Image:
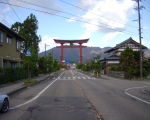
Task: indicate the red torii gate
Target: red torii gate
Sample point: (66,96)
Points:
(62,42)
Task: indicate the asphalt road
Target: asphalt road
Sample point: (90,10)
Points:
(76,96)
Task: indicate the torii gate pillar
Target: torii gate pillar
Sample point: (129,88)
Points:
(62,54)
(62,42)
(80,46)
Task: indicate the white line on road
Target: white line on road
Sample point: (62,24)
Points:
(135,96)
(36,95)
(71,72)
(147,82)
(66,79)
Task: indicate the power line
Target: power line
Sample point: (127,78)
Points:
(94,13)
(14,11)
(58,11)
(147,2)
(63,12)
(131,33)
(5,22)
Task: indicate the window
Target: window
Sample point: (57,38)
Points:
(18,45)
(9,40)
(13,65)
(1,37)
(4,64)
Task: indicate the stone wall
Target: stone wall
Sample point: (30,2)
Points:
(117,74)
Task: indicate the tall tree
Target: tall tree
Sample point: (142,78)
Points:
(28,30)
(30,62)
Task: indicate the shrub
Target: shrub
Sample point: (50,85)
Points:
(13,74)
(115,68)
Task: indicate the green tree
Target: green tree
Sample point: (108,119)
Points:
(30,62)
(48,63)
(128,62)
(28,30)
(56,65)
(79,66)
(42,68)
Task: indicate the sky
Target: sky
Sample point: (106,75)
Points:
(104,22)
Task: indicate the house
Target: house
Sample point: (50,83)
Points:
(10,47)
(111,56)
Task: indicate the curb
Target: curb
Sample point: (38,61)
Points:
(25,87)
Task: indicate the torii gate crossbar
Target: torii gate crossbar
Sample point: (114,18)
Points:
(62,42)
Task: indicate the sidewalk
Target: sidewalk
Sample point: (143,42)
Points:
(10,88)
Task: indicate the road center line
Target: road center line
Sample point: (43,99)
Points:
(135,96)
(72,72)
(36,95)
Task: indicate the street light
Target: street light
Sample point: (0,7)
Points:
(45,48)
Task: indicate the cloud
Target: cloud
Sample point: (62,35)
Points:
(106,13)
(46,5)
(6,9)
(86,4)
(71,20)
(108,17)
(85,35)
(109,36)
(48,41)
(137,40)
(146,28)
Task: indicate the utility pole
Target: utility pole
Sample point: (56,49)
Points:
(141,59)
(139,20)
(45,48)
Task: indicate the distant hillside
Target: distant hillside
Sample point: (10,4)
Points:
(73,53)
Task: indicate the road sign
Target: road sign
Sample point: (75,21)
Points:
(28,53)
(67,61)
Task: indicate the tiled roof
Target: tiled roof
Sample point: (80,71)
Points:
(124,42)
(2,26)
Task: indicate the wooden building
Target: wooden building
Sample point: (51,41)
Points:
(111,56)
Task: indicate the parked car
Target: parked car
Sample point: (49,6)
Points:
(4,103)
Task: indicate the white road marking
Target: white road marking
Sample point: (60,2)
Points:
(83,77)
(79,78)
(135,96)
(66,79)
(83,74)
(147,82)
(72,72)
(36,95)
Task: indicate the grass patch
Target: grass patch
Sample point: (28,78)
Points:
(147,78)
(28,82)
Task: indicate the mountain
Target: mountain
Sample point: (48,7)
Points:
(72,54)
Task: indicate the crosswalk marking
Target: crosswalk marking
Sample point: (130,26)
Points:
(73,78)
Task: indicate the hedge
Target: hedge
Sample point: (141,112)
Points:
(13,74)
